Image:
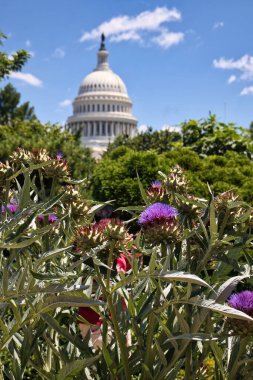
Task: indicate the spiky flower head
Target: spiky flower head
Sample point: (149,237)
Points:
(159,223)
(73,201)
(104,231)
(242,301)
(156,191)
(223,200)
(176,181)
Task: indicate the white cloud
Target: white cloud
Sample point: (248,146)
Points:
(136,28)
(27,78)
(166,39)
(27,43)
(231,79)
(59,53)
(131,35)
(65,103)
(247,90)
(171,128)
(143,128)
(243,64)
(218,25)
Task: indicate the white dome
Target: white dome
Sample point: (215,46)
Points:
(102,109)
(102,81)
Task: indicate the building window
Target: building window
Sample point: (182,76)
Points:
(98,107)
(88,108)
(103,129)
(103,108)
(91,129)
(93,107)
(97,129)
(113,108)
(118,108)
(109,129)
(84,108)
(108,108)
(115,129)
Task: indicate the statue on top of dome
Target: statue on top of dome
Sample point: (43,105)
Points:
(102,45)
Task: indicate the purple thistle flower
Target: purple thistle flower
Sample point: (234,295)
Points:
(12,206)
(156,185)
(3,209)
(59,155)
(242,301)
(52,218)
(40,218)
(158,212)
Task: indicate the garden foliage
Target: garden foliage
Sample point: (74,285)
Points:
(147,298)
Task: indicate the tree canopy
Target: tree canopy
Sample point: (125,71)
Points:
(14,62)
(10,107)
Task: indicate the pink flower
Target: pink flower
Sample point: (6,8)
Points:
(90,315)
(123,264)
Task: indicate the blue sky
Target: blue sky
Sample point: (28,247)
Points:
(179,59)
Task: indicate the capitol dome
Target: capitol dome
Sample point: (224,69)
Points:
(102,109)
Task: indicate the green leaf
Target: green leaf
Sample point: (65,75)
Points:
(181,276)
(52,302)
(143,192)
(49,255)
(226,289)
(213,223)
(70,370)
(25,193)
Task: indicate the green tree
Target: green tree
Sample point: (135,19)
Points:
(208,137)
(8,63)
(10,108)
(160,141)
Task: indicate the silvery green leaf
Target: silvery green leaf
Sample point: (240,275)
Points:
(181,276)
(226,289)
(223,309)
(52,302)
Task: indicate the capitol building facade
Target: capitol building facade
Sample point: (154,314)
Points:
(102,109)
